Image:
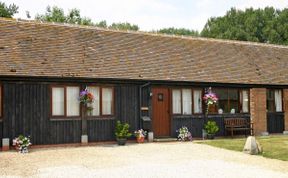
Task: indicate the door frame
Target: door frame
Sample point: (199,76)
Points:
(169,109)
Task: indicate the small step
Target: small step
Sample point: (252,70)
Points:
(165,139)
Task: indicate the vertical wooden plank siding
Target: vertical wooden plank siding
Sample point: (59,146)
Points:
(126,110)
(27,111)
(1,135)
(275,122)
(196,123)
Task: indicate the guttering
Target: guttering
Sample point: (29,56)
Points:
(140,101)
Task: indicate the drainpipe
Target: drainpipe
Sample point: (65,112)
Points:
(140,102)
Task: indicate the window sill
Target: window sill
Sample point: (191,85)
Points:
(201,116)
(91,118)
(65,119)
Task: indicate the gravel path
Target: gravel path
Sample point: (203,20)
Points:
(140,160)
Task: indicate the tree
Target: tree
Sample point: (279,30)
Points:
(178,31)
(259,25)
(8,11)
(102,24)
(56,14)
(124,26)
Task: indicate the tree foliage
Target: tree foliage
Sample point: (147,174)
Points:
(124,26)
(267,25)
(56,14)
(8,11)
(178,31)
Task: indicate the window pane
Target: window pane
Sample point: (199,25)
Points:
(197,95)
(278,100)
(57,101)
(107,101)
(245,101)
(270,101)
(222,95)
(176,101)
(95,104)
(233,100)
(73,107)
(187,101)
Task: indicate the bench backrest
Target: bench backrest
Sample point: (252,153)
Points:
(236,122)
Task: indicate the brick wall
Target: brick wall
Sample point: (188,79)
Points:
(258,109)
(285,98)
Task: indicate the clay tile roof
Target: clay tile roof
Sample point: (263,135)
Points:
(29,48)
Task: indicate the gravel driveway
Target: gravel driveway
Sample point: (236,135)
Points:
(140,160)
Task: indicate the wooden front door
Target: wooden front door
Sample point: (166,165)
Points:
(161,118)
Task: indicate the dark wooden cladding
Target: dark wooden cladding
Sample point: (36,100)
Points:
(27,111)
(1,133)
(275,122)
(196,123)
(126,110)
(101,130)
(127,107)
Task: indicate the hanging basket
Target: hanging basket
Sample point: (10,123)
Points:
(212,109)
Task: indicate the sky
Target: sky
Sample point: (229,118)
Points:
(147,14)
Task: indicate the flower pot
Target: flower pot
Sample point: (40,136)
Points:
(121,141)
(212,109)
(140,139)
(211,136)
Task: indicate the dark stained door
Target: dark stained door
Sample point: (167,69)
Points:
(275,122)
(161,118)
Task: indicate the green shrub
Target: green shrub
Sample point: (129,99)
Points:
(122,130)
(211,127)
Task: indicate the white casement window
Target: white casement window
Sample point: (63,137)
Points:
(245,101)
(72,106)
(187,101)
(107,100)
(182,101)
(96,104)
(62,97)
(58,101)
(176,98)
(197,99)
(278,100)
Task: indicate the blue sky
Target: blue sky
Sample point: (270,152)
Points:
(147,14)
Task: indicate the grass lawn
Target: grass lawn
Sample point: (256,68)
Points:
(275,147)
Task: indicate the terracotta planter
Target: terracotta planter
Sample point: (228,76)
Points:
(140,139)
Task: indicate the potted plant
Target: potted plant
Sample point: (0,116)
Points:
(210,99)
(122,132)
(211,128)
(140,135)
(184,134)
(22,143)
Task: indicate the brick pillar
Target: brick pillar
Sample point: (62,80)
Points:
(285,99)
(258,110)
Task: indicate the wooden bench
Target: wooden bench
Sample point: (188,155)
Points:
(238,124)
